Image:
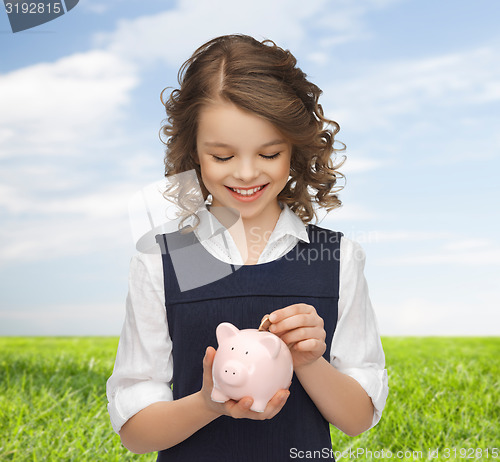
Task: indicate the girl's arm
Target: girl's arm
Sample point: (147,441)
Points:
(340,399)
(141,404)
(356,348)
(165,424)
(350,390)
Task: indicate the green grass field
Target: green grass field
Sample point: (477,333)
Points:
(444,394)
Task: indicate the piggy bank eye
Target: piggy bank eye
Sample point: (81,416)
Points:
(246,352)
(232,348)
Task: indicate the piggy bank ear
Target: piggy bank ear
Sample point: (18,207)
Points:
(225,330)
(272,344)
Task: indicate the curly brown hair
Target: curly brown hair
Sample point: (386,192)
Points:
(264,79)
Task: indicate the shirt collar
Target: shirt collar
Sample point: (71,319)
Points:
(288,224)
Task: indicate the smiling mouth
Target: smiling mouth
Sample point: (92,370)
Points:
(247,191)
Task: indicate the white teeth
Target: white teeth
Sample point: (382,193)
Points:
(247,192)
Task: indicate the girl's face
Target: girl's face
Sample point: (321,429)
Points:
(244,160)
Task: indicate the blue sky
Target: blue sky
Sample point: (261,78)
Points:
(415,87)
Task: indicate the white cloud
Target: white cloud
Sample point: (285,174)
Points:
(53,108)
(468,244)
(69,106)
(101,7)
(354,212)
(460,253)
(61,236)
(359,164)
(57,120)
(95,7)
(424,86)
(65,225)
(345,21)
(172,36)
(394,236)
(319,57)
(422,316)
(414,316)
(70,319)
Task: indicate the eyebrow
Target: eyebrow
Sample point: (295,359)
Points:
(216,144)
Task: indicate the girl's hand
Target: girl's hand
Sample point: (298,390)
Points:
(237,409)
(302,329)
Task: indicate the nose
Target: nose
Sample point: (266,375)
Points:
(233,373)
(246,169)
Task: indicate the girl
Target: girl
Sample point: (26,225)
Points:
(248,123)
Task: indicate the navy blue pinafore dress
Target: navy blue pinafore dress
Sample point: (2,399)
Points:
(201,292)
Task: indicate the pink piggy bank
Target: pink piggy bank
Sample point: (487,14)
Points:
(250,363)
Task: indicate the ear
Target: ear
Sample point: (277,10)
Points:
(271,343)
(225,330)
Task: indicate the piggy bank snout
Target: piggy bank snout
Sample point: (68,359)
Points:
(233,372)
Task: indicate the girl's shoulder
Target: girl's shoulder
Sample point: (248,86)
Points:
(320,234)
(147,265)
(349,248)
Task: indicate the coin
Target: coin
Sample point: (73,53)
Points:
(265,323)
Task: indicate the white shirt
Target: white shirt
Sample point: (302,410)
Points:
(142,374)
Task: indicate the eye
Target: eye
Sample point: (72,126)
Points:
(221,159)
(271,157)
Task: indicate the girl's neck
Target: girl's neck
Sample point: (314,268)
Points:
(250,234)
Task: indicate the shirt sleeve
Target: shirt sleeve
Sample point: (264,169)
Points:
(356,346)
(142,373)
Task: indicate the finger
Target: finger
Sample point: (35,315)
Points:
(239,409)
(291,310)
(276,403)
(244,404)
(208,361)
(265,323)
(302,334)
(311,345)
(296,322)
